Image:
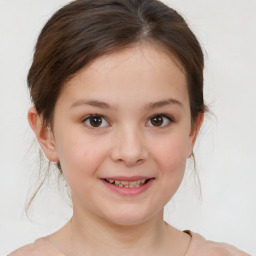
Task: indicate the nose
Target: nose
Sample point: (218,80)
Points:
(129,147)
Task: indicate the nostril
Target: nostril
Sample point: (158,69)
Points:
(129,151)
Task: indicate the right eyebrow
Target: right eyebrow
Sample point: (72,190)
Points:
(95,103)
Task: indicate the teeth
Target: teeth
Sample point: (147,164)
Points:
(127,184)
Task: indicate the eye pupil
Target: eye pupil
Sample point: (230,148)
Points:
(157,120)
(95,121)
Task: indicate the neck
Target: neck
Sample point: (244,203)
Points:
(101,237)
(86,234)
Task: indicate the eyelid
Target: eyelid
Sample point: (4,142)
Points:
(94,115)
(164,115)
(170,119)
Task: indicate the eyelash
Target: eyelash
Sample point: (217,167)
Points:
(163,115)
(91,116)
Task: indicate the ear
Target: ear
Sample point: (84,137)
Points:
(43,134)
(194,132)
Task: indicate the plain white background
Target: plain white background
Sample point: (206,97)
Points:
(225,151)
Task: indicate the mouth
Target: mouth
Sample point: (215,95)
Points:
(128,184)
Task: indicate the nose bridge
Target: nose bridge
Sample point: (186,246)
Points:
(129,146)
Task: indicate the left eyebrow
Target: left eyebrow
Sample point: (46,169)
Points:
(162,103)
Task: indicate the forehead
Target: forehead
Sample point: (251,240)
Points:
(139,54)
(134,72)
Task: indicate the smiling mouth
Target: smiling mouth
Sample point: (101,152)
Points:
(128,184)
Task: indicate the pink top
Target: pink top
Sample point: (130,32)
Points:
(199,246)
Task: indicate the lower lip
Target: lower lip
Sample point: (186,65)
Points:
(128,191)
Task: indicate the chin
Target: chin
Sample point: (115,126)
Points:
(127,222)
(129,218)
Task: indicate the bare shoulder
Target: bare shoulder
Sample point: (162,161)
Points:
(27,250)
(199,246)
(41,247)
(220,249)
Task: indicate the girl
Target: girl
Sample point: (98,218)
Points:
(117,89)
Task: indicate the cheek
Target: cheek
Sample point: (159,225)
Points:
(170,158)
(80,156)
(171,155)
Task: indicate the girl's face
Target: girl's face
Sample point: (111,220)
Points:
(125,118)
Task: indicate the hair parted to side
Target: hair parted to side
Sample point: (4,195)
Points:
(84,30)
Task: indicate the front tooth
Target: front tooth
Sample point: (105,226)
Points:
(124,183)
(140,182)
(127,184)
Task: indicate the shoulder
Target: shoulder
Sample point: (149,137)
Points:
(41,247)
(220,249)
(201,247)
(25,250)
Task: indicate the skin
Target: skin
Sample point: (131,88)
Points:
(127,143)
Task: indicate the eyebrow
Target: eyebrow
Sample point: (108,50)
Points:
(162,103)
(151,105)
(94,103)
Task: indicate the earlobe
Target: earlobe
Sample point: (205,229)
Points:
(43,134)
(194,132)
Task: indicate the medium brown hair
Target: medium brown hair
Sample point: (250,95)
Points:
(84,30)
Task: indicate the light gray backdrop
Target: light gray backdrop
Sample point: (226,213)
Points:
(225,153)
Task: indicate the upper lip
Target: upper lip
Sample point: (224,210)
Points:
(125,178)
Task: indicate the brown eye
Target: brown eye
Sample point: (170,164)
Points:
(95,121)
(157,120)
(160,120)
